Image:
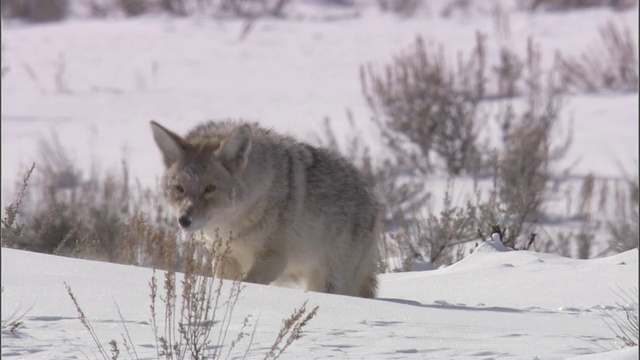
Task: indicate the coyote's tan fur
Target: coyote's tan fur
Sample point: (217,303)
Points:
(295,212)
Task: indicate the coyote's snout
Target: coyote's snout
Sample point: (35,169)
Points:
(295,211)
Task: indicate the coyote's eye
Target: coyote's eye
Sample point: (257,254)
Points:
(179,189)
(209,189)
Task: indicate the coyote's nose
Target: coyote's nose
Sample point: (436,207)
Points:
(184,221)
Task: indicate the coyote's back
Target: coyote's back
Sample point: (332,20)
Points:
(295,212)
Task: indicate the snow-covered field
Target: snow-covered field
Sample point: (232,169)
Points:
(492,304)
(98,83)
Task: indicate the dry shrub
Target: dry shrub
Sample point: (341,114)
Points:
(13,230)
(422,106)
(121,224)
(610,65)
(189,316)
(523,175)
(509,72)
(443,238)
(57,10)
(291,330)
(523,172)
(14,321)
(436,236)
(135,7)
(625,326)
(192,320)
(100,8)
(104,217)
(623,228)
(409,236)
(394,184)
(453,6)
(142,243)
(405,8)
(35,10)
(602,210)
(255,8)
(397,188)
(564,5)
(589,225)
(338,2)
(248,9)
(510,68)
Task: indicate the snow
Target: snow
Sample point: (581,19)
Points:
(98,83)
(493,304)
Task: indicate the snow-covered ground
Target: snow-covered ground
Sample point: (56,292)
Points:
(492,304)
(97,83)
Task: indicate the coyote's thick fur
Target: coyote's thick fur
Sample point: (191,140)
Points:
(294,211)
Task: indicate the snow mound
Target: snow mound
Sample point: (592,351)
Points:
(496,304)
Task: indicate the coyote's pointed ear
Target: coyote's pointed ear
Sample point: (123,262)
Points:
(234,150)
(171,145)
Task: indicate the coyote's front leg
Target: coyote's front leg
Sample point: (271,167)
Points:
(228,268)
(267,267)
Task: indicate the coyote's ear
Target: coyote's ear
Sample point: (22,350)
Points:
(233,153)
(171,145)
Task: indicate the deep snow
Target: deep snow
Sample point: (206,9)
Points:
(492,304)
(97,83)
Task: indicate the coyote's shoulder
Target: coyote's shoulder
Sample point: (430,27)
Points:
(295,211)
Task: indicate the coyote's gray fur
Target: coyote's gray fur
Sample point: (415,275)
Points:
(294,211)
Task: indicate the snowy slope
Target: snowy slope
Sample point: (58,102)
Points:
(493,304)
(97,83)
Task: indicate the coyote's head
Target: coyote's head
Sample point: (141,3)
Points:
(202,178)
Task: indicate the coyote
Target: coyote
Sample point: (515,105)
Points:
(293,211)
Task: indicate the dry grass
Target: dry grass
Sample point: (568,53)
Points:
(532,141)
(190,316)
(424,106)
(509,72)
(405,8)
(12,230)
(624,225)
(56,10)
(625,326)
(14,322)
(437,235)
(195,321)
(611,64)
(605,209)
(87,325)
(37,11)
(397,192)
(104,217)
(192,320)
(291,330)
(565,5)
